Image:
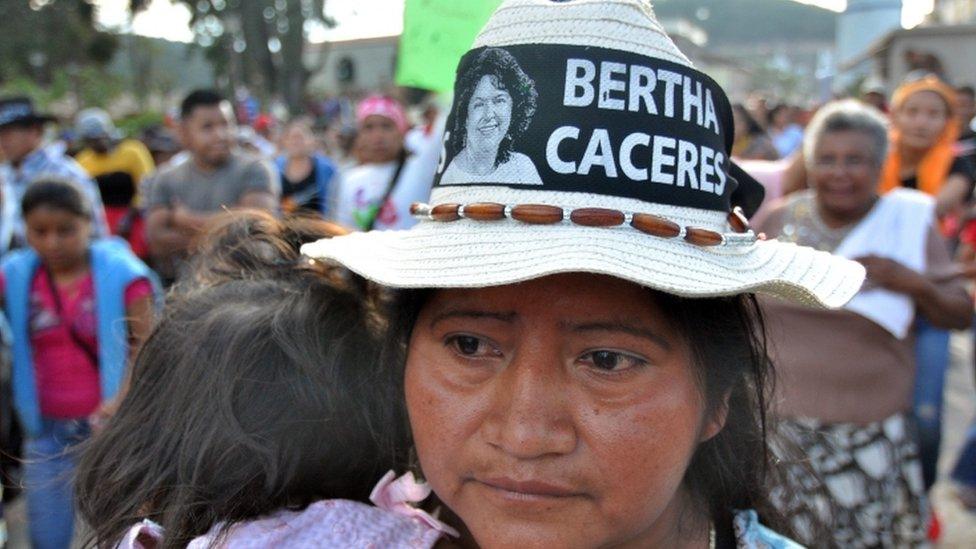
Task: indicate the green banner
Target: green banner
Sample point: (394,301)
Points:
(436,33)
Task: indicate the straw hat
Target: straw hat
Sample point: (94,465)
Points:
(582,140)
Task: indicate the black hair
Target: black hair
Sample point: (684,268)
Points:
(732,470)
(966,90)
(506,74)
(254,393)
(58,194)
(753,126)
(199,98)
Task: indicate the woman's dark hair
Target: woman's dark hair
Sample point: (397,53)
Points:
(732,470)
(252,394)
(58,194)
(506,74)
(753,127)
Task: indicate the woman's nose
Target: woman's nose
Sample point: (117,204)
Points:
(530,415)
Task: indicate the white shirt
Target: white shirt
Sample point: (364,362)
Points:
(362,187)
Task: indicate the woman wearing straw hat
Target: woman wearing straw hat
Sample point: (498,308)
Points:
(583,360)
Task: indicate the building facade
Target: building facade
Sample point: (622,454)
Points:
(955,11)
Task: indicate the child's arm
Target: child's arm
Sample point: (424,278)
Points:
(139,315)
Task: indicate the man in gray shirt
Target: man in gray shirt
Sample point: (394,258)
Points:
(181,199)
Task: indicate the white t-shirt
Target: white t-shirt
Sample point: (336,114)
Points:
(361,188)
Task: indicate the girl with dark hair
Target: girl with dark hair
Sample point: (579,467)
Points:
(258,413)
(77,309)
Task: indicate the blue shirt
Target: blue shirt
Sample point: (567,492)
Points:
(45,161)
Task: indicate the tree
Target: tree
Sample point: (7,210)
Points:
(259,43)
(44,37)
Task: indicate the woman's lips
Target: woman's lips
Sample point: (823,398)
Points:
(488,127)
(528,489)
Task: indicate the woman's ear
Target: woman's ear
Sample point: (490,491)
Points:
(715,422)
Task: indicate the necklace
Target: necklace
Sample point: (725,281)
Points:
(804,226)
(711,536)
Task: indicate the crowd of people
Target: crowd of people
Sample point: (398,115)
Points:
(474,328)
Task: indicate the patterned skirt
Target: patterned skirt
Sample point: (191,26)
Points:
(849,485)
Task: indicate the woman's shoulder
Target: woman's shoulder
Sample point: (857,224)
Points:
(751,534)
(519,168)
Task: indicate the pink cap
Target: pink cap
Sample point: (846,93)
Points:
(381,105)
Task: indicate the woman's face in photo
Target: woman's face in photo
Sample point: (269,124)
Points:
(562,411)
(489,115)
(921,119)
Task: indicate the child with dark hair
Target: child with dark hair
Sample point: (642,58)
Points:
(76,309)
(259,412)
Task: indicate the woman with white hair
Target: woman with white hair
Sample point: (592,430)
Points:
(846,403)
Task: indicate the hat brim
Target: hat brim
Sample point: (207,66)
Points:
(472,254)
(25,120)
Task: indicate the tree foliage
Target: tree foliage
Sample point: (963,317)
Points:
(258,43)
(42,38)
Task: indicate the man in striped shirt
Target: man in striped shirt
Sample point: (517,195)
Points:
(27,159)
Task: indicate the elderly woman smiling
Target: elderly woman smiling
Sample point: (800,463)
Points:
(845,404)
(583,363)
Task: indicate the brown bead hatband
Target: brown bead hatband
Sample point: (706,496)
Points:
(445,212)
(537,214)
(703,237)
(655,226)
(543,214)
(738,220)
(597,217)
(485,211)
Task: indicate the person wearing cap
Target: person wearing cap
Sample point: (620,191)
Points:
(118,166)
(847,405)
(183,197)
(27,159)
(583,361)
(376,192)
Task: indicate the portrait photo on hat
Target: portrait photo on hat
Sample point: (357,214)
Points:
(581,139)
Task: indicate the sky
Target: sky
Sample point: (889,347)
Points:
(356,18)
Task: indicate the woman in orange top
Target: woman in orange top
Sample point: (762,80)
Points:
(924,132)
(923,135)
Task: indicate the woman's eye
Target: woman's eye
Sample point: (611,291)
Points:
(612,361)
(471,346)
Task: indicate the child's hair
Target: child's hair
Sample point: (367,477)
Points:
(252,244)
(58,194)
(254,393)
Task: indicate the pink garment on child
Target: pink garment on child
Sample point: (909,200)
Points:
(333,523)
(67,381)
